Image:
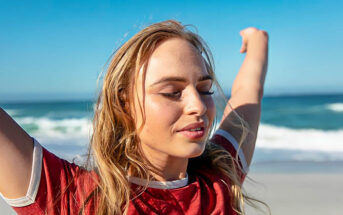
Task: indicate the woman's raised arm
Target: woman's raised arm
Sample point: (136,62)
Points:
(247,89)
(16,149)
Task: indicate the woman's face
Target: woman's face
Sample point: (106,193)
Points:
(176,94)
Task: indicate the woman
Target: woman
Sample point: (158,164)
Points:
(153,148)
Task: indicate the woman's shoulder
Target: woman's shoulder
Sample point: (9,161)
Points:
(56,163)
(55,184)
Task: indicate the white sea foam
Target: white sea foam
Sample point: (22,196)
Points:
(12,112)
(69,131)
(71,136)
(269,136)
(336,107)
(274,137)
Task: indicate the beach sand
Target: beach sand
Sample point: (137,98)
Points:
(296,193)
(5,209)
(293,193)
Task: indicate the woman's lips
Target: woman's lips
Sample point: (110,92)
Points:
(193,134)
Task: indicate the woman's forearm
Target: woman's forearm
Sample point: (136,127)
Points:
(252,73)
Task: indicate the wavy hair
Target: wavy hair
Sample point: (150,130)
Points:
(114,147)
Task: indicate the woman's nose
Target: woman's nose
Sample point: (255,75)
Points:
(195,104)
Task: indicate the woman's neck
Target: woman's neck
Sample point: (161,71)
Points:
(164,167)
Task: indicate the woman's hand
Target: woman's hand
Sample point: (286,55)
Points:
(253,38)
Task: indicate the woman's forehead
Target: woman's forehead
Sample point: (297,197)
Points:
(175,58)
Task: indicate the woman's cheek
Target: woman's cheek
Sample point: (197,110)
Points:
(211,108)
(162,111)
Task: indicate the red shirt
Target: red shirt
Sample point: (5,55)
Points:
(205,193)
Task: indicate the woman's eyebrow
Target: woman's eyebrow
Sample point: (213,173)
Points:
(180,79)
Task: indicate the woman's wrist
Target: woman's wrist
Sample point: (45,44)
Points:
(258,45)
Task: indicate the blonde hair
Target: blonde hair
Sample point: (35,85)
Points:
(114,143)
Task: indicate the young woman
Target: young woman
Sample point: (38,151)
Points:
(154,148)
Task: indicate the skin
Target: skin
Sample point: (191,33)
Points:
(247,88)
(16,146)
(167,149)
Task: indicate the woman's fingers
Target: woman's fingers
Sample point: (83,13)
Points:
(244,43)
(243,47)
(249,34)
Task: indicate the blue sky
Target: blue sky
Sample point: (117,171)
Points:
(56,49)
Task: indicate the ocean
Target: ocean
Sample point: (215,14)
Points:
(297,133)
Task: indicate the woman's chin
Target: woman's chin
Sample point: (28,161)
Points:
(194,151)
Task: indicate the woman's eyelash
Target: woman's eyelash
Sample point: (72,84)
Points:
(172,95)
(177,94)
(207,92)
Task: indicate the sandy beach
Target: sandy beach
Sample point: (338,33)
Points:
(5,209)
(293,193)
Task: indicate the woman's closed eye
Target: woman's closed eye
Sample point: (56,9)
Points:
(177,94)
(207,92)
(173,95)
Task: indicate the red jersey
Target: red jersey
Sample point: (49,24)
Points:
(205,192)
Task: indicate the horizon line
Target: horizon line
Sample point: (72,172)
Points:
(87,98)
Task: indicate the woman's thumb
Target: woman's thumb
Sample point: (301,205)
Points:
(244,44)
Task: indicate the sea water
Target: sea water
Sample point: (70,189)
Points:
(296,133)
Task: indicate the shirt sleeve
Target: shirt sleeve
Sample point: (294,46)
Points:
(229,143)
(56,186)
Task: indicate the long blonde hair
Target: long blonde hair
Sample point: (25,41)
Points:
(114,144)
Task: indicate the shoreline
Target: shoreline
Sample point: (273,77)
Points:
(297,167)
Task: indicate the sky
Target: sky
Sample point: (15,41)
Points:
(57,49)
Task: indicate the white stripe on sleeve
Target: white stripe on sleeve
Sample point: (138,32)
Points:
(235,144)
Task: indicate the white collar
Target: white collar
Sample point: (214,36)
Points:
(160,184)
